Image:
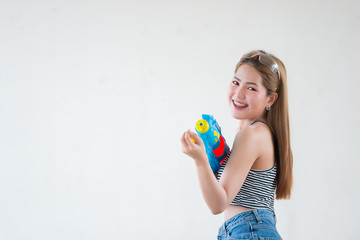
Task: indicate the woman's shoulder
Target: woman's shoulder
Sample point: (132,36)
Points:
(254,144)
(246,147)
(256,132)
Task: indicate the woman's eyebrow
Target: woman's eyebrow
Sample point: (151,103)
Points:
(250,83)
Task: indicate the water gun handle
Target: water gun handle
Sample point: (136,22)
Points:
(216,148)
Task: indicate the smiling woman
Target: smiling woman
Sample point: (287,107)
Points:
(249,95)
(260,162)
(273,75)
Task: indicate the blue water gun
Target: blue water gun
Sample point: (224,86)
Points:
(216,148)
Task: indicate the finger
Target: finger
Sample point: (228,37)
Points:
(194,136)
(190,142)
(183,139)
(187,138)
(185,146)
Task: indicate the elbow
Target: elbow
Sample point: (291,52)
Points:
(217,211)
(218,207)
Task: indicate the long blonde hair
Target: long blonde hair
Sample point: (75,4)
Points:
(277,117)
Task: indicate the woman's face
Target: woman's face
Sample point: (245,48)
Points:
(246,94)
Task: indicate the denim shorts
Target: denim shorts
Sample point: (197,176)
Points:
(254,224)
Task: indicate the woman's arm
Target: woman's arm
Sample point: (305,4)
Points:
(218,195)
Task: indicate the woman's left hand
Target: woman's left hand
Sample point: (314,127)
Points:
(195,150)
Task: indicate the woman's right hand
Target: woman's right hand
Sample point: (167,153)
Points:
(195,150)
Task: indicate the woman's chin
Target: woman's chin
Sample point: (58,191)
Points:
(236,115)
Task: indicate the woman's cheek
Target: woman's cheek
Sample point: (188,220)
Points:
(230,92)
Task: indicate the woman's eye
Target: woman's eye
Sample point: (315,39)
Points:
(235,83)
(252,89)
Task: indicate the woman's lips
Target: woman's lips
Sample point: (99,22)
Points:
(239,106)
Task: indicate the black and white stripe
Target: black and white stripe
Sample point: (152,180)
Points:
(258,189)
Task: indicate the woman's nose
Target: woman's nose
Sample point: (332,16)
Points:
(240,92)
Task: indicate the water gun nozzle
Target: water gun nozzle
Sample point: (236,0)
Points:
(202,126)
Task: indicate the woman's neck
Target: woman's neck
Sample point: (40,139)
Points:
(246,122)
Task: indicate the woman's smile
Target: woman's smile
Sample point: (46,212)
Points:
(239,105)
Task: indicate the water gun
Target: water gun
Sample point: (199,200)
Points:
(216,148)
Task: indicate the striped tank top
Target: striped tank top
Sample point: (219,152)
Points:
(258,189)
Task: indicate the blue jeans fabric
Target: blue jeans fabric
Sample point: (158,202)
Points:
(259,224)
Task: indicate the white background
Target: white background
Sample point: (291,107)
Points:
(94,96)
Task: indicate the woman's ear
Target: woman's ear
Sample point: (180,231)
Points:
(273,99)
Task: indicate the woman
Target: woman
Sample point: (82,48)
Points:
(260,162)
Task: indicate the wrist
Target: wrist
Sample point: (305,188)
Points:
(202,162)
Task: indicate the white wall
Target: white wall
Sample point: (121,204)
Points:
(94,96)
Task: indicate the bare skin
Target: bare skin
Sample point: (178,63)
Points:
(252,149)
(266,160)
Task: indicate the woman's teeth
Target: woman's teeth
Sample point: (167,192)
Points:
(240,105)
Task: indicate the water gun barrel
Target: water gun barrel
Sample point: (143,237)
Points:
(216,148)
